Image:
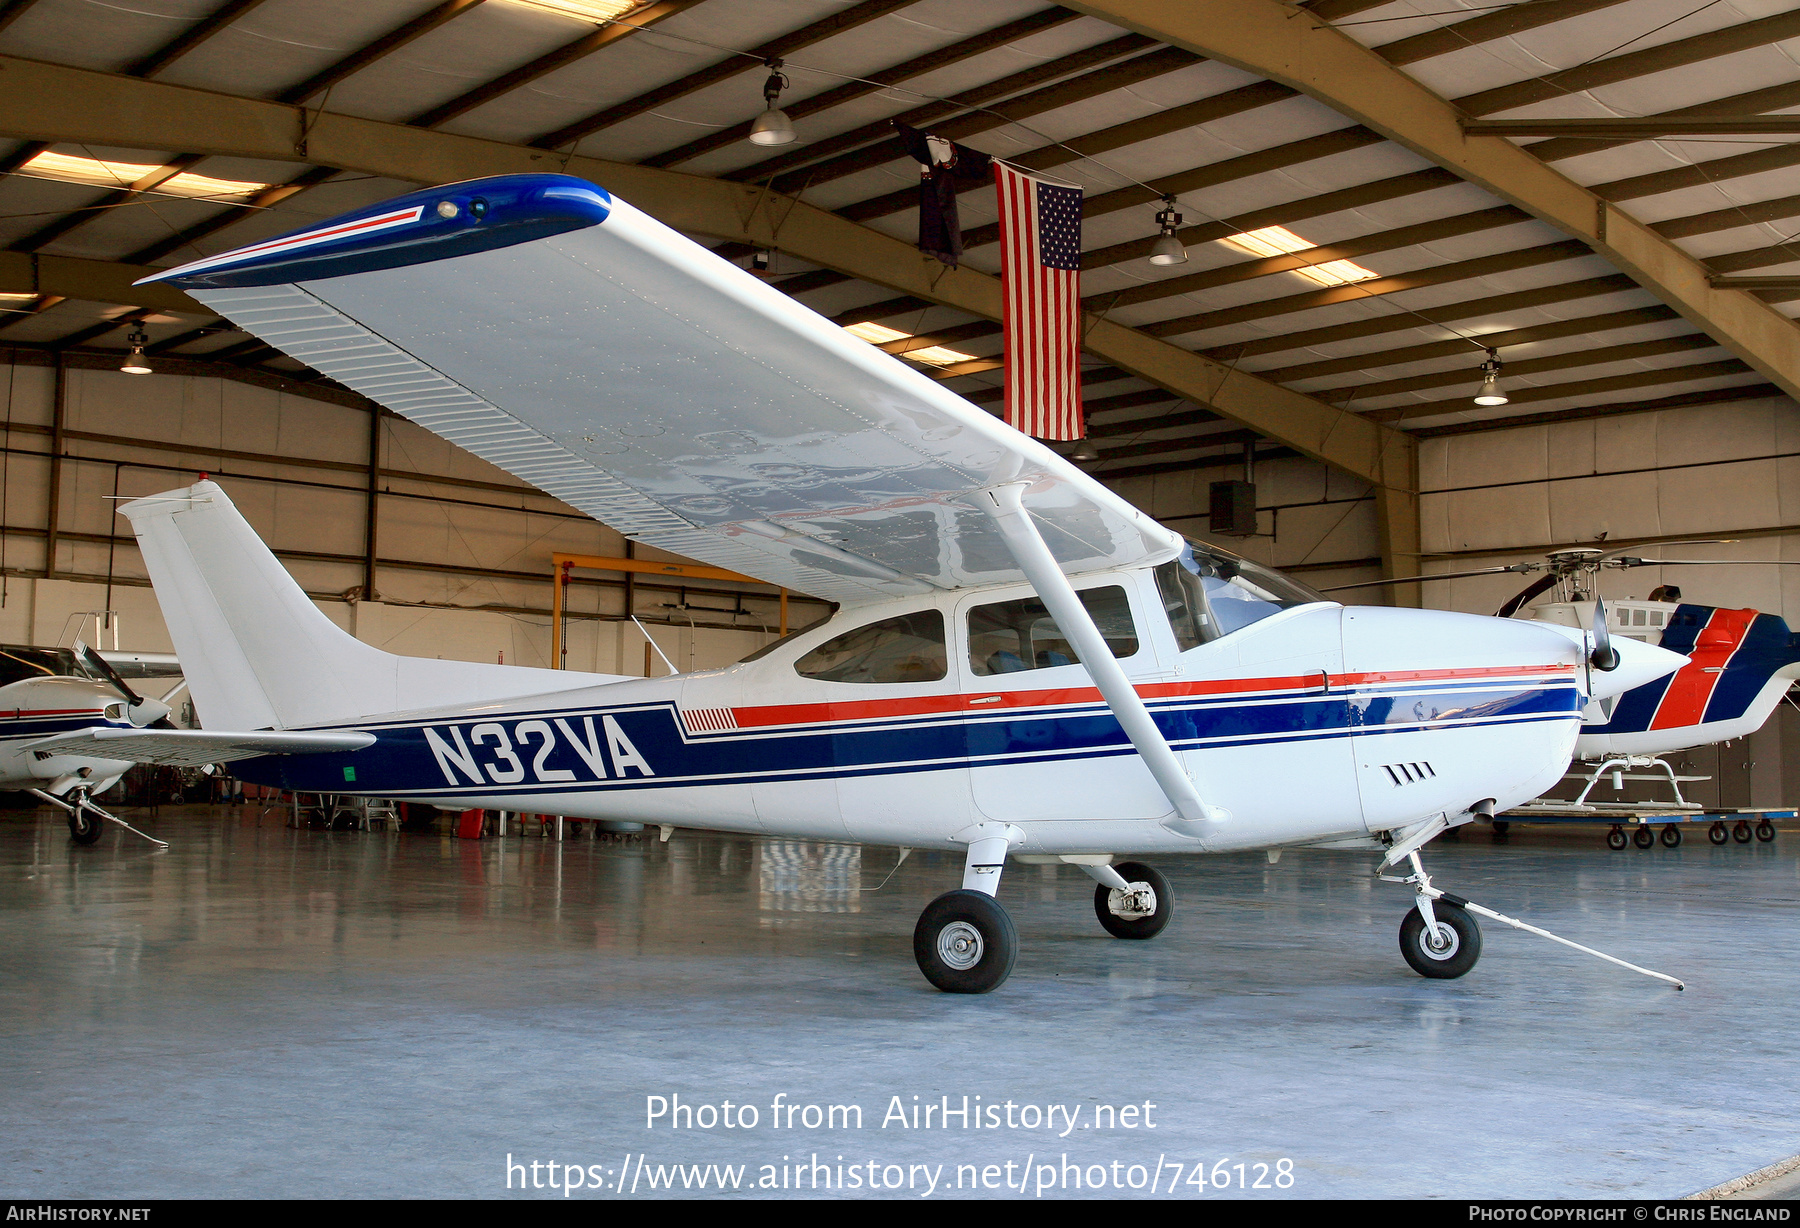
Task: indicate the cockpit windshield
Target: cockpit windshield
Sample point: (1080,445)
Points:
(18,663)
(1209,593)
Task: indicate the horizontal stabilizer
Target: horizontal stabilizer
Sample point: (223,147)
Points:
(194,747)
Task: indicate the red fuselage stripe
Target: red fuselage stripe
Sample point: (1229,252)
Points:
(927,705)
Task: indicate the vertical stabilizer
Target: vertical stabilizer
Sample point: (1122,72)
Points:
(258,654)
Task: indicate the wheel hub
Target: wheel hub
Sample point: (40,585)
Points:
(960,946)
(1441,945)
(1134,904)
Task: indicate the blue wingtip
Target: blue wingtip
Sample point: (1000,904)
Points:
(433,224)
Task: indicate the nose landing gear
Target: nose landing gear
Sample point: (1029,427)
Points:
(1140,908)
(85,817)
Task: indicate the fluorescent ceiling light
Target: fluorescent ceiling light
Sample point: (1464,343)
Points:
(585,10)
(933,355)
(1280,241)
(101,174)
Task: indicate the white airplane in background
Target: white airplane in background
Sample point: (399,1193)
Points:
(1022,664)
(63,710)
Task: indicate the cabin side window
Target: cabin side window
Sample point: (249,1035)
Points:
(1009,636)
(906,648)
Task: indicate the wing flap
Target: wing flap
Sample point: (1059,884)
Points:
(196,747)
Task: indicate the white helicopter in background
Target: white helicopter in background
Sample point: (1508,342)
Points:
(1741,662)
(1021,665)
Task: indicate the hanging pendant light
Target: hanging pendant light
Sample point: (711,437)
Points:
(1085,451)
(1490,393)
(773,127)
(135,363)
(1168,249)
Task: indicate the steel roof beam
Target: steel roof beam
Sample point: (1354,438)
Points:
(1713,396)
(724,70)
(1274,41)
(918,66)
(1117,73)
(1572,360)
(192,37)
(1577,388)
(1638,129)
(48,101)
(1513,19)
(381,48)
(544,65)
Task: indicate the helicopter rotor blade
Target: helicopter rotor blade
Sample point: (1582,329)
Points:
(1441,575)
(1539,585)
(1698,541)
(1634,561)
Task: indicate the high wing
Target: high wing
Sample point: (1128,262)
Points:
(579,344)
(194,747)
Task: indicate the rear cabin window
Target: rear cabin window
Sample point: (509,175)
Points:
(1009,636)
(907,648)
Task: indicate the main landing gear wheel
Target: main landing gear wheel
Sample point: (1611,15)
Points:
(965,942)
(1643,837)
(1718,833)
(1616,839)
(1671,836)
(1455,951)
(1140,913)
(84,825)
(1740,831)
(1765,831)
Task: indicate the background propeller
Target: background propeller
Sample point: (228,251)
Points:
(144,713)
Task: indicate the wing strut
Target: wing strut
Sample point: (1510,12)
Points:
(1005,504)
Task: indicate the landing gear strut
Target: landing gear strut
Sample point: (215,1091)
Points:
(964,941)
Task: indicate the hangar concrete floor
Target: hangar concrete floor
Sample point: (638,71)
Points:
(260,1011)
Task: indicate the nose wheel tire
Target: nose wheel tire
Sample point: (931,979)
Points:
(1643,837)
(1671,836)
(1455,952)
(965,942)
(1143,911)
(84,826)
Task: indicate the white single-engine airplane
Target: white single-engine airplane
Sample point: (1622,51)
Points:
(1021,663)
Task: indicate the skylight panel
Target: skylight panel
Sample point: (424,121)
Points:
(932,355)
(584,10)
(99,173)
(1280,241)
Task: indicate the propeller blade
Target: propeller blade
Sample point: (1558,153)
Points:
(1525,595)
(1604,656)
(104,668)
(144,713)
(1441,575)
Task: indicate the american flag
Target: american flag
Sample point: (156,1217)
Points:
(1040,261)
